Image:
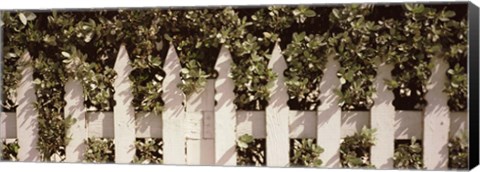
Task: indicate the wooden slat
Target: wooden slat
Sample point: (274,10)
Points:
(148,125)
(27,116)
(75,109)
(437,119)
(354,121)
(100,125)
(8,125)
(124,120)
(382,118)
(458,123)
(329,116)
(277,113)
(200,152)
(225,118)
(199,106)
(408,124)
(252,123)
(303,124)
(174,112)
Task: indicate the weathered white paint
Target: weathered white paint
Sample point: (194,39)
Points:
(206,121)
(303,124)
(75,109)
(408,124)
(148,125)
(437,119)
(252,123)
(458,123)
(277,112)
(200,107)
(353,122)
(382,118)
(225,118)
(8,127)
(124,114)
(100,125)
(329,116)
(27,116)
(174,113)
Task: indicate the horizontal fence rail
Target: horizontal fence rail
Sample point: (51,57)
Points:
(203,129)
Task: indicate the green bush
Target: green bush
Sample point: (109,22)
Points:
(100,150)
(305,153)
(355,149)
(409,156)
(354,45)
(148,151)
(10,151)
(250,151)
(306,60)
(458,152)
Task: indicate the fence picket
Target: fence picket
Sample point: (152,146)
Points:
(124,114)
(27,116)
(225,115)
(199,105)
(174,112)
(77,132)
(329,116)
(382,118)
(277,113)
(212,114)
(436,119)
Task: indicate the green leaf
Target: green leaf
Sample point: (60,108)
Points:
(310,13)
(23,19)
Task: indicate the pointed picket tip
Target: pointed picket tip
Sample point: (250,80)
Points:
(122,63)
(277,63)
(224,61)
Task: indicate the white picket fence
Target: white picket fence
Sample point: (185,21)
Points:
(202,133)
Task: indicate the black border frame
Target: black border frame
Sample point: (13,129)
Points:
(473,64)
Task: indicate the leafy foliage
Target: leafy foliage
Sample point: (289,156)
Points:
(143,40)
(18,30)
(10,150)
(424,36)
(354,44)
(306,59)
(148,151)
(305,153)
(456,55)
(355,149)
(408,156)
(100,150)
(250,151)
(458,152)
